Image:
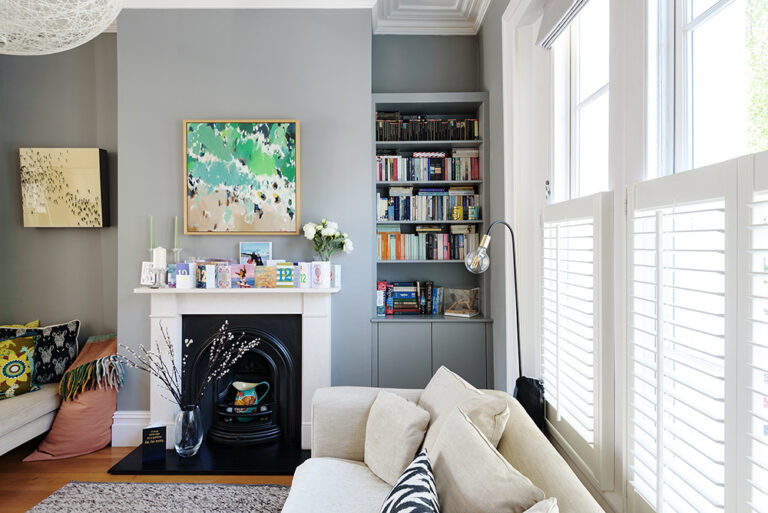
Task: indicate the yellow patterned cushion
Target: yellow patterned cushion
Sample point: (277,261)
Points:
(32,324)
(16,366)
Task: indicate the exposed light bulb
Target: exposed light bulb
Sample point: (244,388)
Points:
(477,261)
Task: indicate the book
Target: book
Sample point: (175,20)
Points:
(389,305)
(153,443)
(428,204)
(381,291)
(395,126)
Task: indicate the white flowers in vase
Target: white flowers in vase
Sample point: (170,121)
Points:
(326,239)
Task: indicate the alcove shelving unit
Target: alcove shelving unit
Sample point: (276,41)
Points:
(407,349)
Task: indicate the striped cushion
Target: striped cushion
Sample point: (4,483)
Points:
(415,491)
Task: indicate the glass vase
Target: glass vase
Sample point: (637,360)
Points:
(189,431)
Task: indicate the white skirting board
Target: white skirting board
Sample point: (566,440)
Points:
(127,426)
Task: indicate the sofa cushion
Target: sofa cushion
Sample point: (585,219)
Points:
(333,485)
(545,506)
(55,349)
(471,475)
(17,411)
(84,422)
(446,390)
(30,324)
(527,449)
(339,418)
(393,435)
(17,369)
(415,491)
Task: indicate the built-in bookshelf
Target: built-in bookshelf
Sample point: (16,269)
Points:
(434,192)
(431,208)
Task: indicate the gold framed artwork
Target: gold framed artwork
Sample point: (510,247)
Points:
(241,177)
(64,187)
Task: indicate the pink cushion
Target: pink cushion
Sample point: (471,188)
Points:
(83,424)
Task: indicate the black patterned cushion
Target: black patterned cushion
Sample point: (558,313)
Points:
(56,347)
(415,491)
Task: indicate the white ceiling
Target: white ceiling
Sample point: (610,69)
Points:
(437,17)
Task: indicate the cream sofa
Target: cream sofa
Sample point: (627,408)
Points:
(335,479)
(24,417)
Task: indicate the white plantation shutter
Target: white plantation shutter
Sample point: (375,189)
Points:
(575,331)
(682,253)
(755,335)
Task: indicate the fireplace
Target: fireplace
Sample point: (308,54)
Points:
(299,320)
(274,364)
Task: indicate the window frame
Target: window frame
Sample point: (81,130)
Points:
(565,127)
(669,141)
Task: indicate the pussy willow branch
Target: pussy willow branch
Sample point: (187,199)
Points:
(225,350)
(157,360)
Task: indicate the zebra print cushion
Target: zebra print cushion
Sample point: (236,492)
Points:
(415,491)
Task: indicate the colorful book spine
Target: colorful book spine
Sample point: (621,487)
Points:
(381,296)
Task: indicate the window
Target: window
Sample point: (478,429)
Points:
(575,331)
(707,82)
(580,104)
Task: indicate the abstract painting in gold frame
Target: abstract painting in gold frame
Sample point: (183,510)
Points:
(241,177)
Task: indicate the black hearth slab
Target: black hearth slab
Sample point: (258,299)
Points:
(277,459)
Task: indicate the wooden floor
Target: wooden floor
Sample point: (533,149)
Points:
(22,485)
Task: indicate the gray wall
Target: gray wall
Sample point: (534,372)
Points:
(425,64)
(491,81)
(58,274)
(314,66)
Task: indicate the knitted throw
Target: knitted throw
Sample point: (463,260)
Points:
(107,372)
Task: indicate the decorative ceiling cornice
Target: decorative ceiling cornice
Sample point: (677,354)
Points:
(436,17)
(415,17)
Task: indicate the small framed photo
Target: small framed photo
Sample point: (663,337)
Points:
(147,274)
(256,253)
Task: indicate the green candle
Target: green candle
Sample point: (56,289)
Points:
(175,232)
(151,233)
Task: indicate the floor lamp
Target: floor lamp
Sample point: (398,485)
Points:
(528,391)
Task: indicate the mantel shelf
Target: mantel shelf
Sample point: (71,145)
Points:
(148,290)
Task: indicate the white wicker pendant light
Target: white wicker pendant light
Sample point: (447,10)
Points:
(39,27)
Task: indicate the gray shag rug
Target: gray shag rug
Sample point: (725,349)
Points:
(164,498)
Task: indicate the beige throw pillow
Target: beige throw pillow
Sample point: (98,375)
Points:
(472,476)
(393,435)
(545,506)
(446,390)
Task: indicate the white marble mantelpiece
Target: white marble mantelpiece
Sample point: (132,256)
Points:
(314,305)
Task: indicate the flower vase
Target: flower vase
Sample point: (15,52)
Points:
(189,431)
